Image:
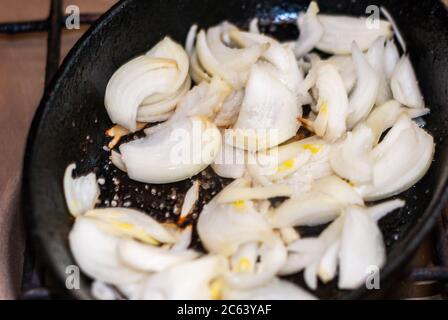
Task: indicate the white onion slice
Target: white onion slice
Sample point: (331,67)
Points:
(191,197)
(272,255)
(333,103)
(391,58)
(161,71)
(351,159)
(253,193)
(382,118)
(375,57)
(230,162)
(222,228)
(341,31)
(189,280)
(401,159)
(173,153)
(132,223)
(268,113)
(363,97)
(346,69)
(148,258)
(320,205)
(379,211)
(405,86)
(94,251)
(362,247)
(310,30)
(81,194)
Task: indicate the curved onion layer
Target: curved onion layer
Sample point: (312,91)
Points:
(161,71)
(315,255)
(222,228)
(351,159)
(346,69)
(175,152)
(94,251)
(197,71)
(333,103)
(310,30)
(217,58)
(191,197)
(132,223)
(189,280)
(391,58)
(341,31)
(382,118)
(150,111)
(258,267)
(268,113)
(365,93)
(400,160)
(362,248)
(148,258)
(230,162)
(405,86)
(275,289)
(230,109)
(281,60)
(375,56)
(320,205)
(81,194)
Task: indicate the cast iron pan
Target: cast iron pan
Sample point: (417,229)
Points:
(70,122)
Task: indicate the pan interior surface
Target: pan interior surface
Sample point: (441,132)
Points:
(71,120)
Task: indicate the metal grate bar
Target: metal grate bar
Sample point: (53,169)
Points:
(12,28)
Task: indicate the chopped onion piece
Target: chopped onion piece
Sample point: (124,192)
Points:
(363,97)
(81,194)
(341,31)
(148,258)
(362,247)
(405,86)
(191,197)
(310,30)
(173,153)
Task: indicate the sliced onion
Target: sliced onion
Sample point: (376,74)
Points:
(268,113)
(401,159)
(351,159)
(391,58)
(346,69)
(363,97)
(382,118)
(132,223)
(310,30)
(361,248)
(333,104)
(405,86)
(254,193)
(94,251)
(320,205)
(230,109)
(148,258)
(341,31)
(189,280)
(230,162)
(379,211)
(81,194)
(191,197)
(272,255)
(173,153)
(161,71)
(375,57)
(223,228)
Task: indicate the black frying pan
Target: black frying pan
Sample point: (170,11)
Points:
(70,122)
